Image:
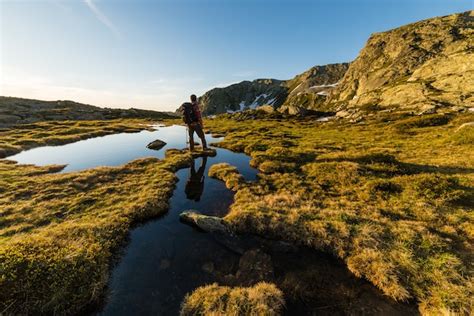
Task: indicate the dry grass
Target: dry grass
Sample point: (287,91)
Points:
(260,299)
(58,232)
(227,173)
(396,207)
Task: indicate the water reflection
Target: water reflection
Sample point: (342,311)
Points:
(195,185)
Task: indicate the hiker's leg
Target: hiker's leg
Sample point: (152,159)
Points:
(191,138)
(200,133)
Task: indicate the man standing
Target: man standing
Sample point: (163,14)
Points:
(193,118)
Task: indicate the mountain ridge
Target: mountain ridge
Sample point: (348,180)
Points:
(422,67)
(15,110)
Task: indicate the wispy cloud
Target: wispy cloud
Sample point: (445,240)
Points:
(102,17)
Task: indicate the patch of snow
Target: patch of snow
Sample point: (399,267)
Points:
(325,119)
(271,101)
(255,102)
(242,105)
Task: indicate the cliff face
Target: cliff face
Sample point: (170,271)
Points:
(420,66)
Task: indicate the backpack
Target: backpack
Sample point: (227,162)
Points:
(188,113)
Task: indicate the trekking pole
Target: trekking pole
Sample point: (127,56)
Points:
(187,136)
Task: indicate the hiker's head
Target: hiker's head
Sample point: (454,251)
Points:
(193,98)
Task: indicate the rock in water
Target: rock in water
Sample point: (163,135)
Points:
(156,144)
(210,224)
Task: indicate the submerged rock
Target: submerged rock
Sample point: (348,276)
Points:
(210,224)
(254,265)
(156,144)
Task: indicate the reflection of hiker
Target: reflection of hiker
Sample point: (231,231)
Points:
(192,117)
(195,185)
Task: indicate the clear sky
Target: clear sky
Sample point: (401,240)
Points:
(153,54)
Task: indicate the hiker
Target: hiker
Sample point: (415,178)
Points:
(193,119)
(195,185)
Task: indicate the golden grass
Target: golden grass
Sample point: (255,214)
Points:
(393,197)
(58,232)
(227,173)
(260,299)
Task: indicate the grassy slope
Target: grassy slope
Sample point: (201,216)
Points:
(58,231)
(26,136)
(393,199)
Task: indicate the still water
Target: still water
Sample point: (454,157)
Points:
(165,259)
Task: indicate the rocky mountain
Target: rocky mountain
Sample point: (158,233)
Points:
(17,110)
(418,67)
(422,67)
(307,90)
(244,95)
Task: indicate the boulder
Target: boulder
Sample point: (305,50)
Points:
(266,108)
(156,144)
(292,110)
(206,223)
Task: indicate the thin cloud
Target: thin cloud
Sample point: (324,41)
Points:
(102,17)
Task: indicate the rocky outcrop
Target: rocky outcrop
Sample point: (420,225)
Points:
(206,223)
(156,144)
(20,111)
(422,66)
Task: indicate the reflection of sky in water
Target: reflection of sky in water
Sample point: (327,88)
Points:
(111,150)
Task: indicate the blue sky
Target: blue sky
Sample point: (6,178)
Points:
(153,54)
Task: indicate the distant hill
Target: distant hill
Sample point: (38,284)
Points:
(17,111)
(422,67)
(244,95)
(307,90)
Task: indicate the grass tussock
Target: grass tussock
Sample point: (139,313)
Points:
(58,232)
(26,136)
(227,173)
(260,299)
(421,121)
(396,207)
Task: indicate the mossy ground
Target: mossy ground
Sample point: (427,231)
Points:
(392,196)
(26,136)
(58,232)
(260,299)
